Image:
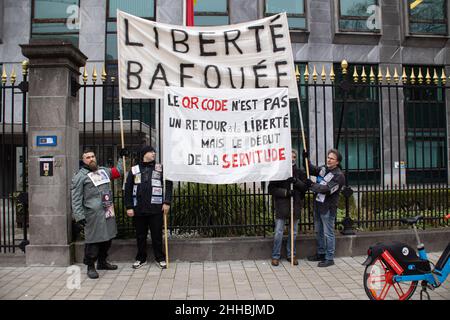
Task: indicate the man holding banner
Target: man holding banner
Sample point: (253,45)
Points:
(282,194)
(146,203)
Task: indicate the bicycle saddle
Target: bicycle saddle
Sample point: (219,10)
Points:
(411,220)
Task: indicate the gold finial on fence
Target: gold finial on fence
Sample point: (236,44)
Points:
(94,75)
(435,77)
(413,77)
(13,76)
(371,75)
(395,75)
(380,75)
(85,75)
(363,75)
(113,79)
(297,73)
(323,74)
(388,75)
(306,74)
(404,76)
(443,77)
(104,75)
(344,66)
(355,75)
(419,76)
(24,67)
(314,74)
(4,76)
(332,75)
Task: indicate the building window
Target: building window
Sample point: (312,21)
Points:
(211,13)
(142,8)
(359,16)
(425,126)
(427,17)
(295,12)
(360,131)
(55,19)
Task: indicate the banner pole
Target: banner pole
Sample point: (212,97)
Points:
(166,243)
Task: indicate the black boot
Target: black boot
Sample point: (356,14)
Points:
(91,272)
(316,257)
(104,265)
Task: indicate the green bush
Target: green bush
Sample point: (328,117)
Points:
(215,206)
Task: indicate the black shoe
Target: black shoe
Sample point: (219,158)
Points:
(316,257)
(325,263)
(91,272)
(106,266)
(295,261)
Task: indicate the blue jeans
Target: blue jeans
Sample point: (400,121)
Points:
(324,227)
(278,238)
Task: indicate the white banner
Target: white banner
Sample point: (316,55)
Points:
(153,55)
(226,136)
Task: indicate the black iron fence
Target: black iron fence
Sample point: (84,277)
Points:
(391,130)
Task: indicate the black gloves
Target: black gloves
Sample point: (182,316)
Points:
(124,152)
(292,180)
(290,193)
(308,183)
(305,156)
(82,223)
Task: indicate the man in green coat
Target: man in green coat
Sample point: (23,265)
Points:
(93,209)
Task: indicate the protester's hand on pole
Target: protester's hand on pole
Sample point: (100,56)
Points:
(165,209)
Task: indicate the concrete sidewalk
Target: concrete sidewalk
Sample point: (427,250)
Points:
(233,280)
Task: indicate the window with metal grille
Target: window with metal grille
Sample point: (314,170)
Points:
(428,17)
(55,19)
(296,12)
(211,13)
(425,126)
(359,137)
(358,16)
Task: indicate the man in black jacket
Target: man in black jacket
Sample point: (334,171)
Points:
(282,192)
(146,202)
(329,182)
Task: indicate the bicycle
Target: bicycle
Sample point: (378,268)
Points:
(397,265)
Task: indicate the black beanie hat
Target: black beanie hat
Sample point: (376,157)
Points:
(146,149)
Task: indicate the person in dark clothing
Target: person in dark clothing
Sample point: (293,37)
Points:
(146,202)
(329,182)
(282,192)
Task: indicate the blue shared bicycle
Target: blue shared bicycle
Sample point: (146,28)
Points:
(393,269)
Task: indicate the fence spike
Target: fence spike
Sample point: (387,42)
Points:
(443,77)
(404,76)
(297,73)
(371,75)
(355,74)
(306,74)
(344,66)
(104,75)
(363,75)
(413,77)
(314,74)
(380,75)
(435,77)
(94,75)
(85,75)
(323,74)
(388,75)
(24,67)
(395,75)
(419,76)
(13,76)
(4,76)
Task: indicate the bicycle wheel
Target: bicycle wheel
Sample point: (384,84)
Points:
(379,283)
